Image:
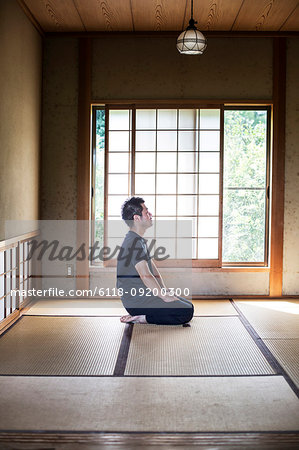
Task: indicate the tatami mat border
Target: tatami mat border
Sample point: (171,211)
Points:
(265,350)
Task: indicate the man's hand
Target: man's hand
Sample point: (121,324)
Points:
(169,298)
(157,275)
(151,282)
(170,294)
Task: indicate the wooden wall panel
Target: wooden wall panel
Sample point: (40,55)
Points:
(106,15)
(261,15)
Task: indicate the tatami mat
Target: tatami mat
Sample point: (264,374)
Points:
(211,346)
(272,318)
(148,404)
(213,308)
(61,346)
(69,307)
(286,351)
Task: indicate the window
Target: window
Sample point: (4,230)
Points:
(209,165)
(245,185)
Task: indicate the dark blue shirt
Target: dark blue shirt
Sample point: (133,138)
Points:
(133,250)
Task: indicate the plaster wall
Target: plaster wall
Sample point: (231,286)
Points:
(144,68)
(291,212)
(152,68)
(20,117)
(59,129)
(200,283)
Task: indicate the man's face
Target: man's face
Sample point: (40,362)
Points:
(146,217)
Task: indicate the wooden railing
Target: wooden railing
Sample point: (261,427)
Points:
(16,272)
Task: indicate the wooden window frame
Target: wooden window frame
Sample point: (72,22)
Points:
(216,264)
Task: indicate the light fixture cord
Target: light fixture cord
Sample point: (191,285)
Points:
(191,9)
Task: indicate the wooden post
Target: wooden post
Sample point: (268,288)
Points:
(278,167)
(83,160)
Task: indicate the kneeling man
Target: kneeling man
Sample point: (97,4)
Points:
(138,276)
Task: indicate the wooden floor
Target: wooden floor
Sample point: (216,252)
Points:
(181,399)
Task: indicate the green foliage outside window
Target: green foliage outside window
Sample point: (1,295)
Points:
(244,185)
(99,176)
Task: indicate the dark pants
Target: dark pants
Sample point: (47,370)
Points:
(161,313)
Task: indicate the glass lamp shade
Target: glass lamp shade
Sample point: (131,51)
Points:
(191,42)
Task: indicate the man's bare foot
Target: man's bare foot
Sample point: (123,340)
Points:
(124,318)
(133,319)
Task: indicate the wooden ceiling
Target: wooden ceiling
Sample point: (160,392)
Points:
(163,15)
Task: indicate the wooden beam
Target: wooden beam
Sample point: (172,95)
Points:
(31,17)
(179,103)
(83,160)
(174,34)
(278,165)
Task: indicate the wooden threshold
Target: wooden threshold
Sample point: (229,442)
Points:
(245,440)
(9,321)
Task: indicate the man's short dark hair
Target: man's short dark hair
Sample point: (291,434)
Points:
(131,207)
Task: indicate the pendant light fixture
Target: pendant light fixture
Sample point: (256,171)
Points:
(191,41)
